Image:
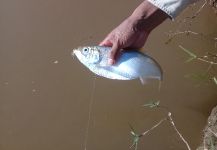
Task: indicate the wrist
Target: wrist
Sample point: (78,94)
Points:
(146,17)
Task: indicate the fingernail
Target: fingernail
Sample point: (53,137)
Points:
(110,61)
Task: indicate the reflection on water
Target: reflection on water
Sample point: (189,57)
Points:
(45,94)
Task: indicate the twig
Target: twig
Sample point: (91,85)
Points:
(169,118)
(155,126)
(193,16)
(215,134)
(208,69)
(172,35)
(185,32)
(207,61)
(199,10)
(138,136)
(177,33)
(200,58)
(180,135)
(190,18)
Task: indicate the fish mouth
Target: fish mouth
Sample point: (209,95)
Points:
(75,52)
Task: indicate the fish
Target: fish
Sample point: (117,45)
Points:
(130,64)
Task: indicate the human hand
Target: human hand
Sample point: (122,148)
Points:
(125,36)
(133,32)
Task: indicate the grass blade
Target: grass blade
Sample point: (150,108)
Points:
(190,59)
(152,104)
(191,54)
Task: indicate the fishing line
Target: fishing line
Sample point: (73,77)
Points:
(90,108)
(159,85)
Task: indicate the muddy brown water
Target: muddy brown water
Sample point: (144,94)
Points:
(45,94)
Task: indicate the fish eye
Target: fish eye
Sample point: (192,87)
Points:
(85,50)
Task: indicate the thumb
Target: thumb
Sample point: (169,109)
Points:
(113,53)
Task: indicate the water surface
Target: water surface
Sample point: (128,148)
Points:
(45,94)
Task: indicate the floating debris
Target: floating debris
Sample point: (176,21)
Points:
(56,62)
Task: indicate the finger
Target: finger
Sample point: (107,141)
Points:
(113,54)
(106,43)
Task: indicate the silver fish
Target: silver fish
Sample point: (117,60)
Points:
(130,64)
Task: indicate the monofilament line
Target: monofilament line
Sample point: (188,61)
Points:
(90,108)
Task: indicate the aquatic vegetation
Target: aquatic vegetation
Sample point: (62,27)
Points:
(189,20)
(136,137)
(206,76)
(212,140)
(212,146)
(152,104)
(209,59)
(192,56)
(209,141)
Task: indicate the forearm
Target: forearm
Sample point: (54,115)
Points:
(147,16)
(172,7)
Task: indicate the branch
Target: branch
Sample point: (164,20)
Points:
(136,137)
(169,118)
(177,131)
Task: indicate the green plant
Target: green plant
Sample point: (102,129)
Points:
(156,104)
